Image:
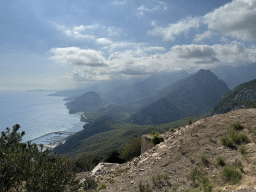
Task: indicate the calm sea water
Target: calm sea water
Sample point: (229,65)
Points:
(37,114)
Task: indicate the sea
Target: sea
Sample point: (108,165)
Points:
(37,114)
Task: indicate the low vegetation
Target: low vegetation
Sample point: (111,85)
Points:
(231,174)
(156,139)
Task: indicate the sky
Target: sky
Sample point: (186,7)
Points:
(61,44)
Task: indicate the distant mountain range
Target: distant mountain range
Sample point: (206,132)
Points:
(190,96)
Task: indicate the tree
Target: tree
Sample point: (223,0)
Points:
(114,156)
(25,162)
(132,149)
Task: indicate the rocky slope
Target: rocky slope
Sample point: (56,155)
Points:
(193,146)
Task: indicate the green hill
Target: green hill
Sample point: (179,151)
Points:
(240,97)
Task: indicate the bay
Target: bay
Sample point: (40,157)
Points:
(36,113)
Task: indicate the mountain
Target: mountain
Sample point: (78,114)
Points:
(86,102)
(190,96)
(236,75)
(160,112)
(129,93)
(241,96)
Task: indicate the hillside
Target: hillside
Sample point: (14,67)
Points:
(129,93)
(86,102)
(107,133)
(190,96)
(241,96)
(194,150)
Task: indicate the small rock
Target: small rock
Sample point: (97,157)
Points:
(132,182)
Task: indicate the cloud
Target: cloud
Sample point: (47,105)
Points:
(150,6)
(91,65)
(200,37)
(119,2)
(235,19)
(103,41)
(169,33)
(79,32)
(114,31)
(78,57)
(154,48)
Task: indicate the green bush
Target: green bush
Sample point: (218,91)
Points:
(253,105)
(96,160)
(243,137)
(154,133)
(114,156)
(102,186)
(239,165)
(132,149)
(204,159)
(236,125)
(172,130)
(242,149)
(199,178)
(225,140)
(25,162)
(157,139)
(220,161)
(231,174)
(90,184)
(189,121)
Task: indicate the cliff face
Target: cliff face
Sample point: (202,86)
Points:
(86,102)
(191,96)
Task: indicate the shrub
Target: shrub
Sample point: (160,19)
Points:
(243,137)
(189,121)
(204,159)
(96,160)
(225,140)
(220,161)
(239,165)
(85,163)
(242,149)
(172,130)
(231,174)
(157,139)
(154,133)
(25,162)
(114,156)
(202,180)
(132,149)
(236,125)
(102,186)
(253,105)
(90,184)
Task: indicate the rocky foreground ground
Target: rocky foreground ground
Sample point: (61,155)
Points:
(166,166)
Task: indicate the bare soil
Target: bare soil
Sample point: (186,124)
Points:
(181,151)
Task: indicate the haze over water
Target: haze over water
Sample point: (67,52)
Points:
(37,113)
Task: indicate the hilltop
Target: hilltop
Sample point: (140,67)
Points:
(192,149)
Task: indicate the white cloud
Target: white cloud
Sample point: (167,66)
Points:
(200,37)
(119,2)
(114,31)
(169,33)
(235,19)
(92,65)
(103,41)
(154,48)
(79,57)
(150,6)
